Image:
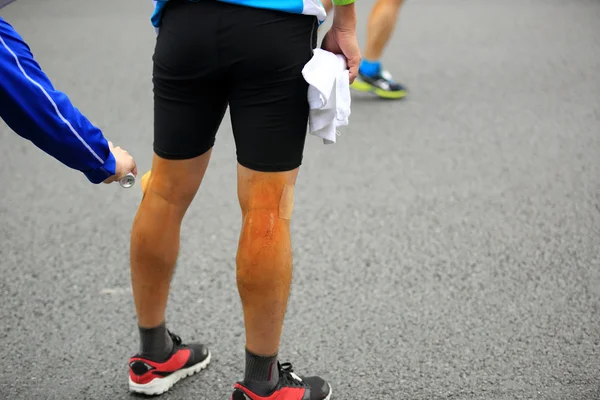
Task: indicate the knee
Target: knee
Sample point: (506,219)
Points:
(264,257)
(174,190)
(267,197)
(264,250)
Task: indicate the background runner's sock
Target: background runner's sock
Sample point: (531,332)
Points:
(262,373)
(156,343)
(370,68)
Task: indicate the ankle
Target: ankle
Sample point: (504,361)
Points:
(155,343)
(262,373)
(370,67)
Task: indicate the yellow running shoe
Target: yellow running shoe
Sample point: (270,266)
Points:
(381,84)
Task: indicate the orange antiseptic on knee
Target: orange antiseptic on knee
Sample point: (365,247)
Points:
(264,250)
(268,192)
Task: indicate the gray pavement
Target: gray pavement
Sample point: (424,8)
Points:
(448,247)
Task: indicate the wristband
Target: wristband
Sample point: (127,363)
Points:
(342,2)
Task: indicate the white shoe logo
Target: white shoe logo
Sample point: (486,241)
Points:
(296,377)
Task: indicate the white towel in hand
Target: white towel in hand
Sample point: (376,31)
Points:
(328,94)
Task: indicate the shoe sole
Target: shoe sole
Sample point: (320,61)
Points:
(161,385)
(325,398)
(330,391)
(366,87)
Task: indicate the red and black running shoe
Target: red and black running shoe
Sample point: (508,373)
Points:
(152,378)
(289,387)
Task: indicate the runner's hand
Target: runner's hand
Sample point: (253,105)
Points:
(341,38)
(125,163)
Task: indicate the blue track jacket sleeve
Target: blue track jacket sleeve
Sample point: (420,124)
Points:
(36,111)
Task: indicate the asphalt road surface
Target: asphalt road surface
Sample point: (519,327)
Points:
(447,247)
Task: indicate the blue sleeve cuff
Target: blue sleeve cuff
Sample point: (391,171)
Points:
(103,172)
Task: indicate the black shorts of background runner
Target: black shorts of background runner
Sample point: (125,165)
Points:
(211,54)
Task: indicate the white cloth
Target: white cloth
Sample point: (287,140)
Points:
(328,94)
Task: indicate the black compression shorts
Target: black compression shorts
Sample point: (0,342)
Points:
(211,54)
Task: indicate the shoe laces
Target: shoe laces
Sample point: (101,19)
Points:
(175,338)
(385,74)
(288,377)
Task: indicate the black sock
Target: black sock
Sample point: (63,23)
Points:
(262,373)
(156,344)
